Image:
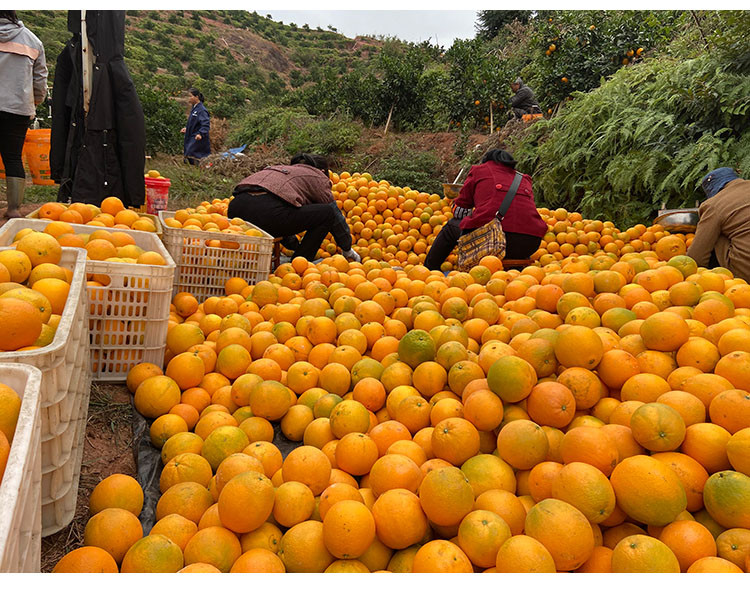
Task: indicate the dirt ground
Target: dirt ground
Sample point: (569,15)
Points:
(25,209)
(108,448)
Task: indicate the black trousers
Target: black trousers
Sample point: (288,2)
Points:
(518,246)
(12,135)
(281,219)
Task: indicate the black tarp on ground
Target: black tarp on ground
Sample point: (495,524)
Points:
(149,465)
(102,154)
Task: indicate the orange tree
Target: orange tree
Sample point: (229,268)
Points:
(573,50)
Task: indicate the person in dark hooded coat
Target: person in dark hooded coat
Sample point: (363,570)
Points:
(197,142)
(102,153)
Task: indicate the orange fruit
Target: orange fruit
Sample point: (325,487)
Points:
(587,489)
(511,378)
(154,553)
(657,427)
(86,559)
(648,490)
(522,553)
(348,529)
(563,530)
(307,465)
(294,503)
(580,347)
(117,491)
(113,529)
(689,541)
(726,495)
(188,499)
(303,550)
(690,473)
(394,471)
(522,444)
(640,553)
(441,556)
(446,496)
(214,545)
(246,501)
(176,528)
(399,519)
(455,440)
(713,565)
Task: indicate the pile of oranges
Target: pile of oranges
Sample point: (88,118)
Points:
(590,414)
(33,291)
(10,408)
(211,217)
(570,234)
(388,223)
(100,245)
(111,214)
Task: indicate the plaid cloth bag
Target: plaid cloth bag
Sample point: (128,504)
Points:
(488,239)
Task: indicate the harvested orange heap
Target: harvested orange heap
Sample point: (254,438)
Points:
(388,223)
(399,224)
(111,214)
(33,292)
(570,234)
(590,415)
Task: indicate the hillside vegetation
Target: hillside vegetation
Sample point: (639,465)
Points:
(638,105)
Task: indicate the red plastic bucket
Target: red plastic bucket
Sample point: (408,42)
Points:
(157,194)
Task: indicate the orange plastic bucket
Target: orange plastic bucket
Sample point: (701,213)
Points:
(36,152)
(157,194)
(2,169)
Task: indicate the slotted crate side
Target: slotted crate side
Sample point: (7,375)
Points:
(60,486)
(129,316)
(203,270)
(20,492)
(66,380)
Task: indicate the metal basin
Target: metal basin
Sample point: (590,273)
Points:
(684,220)
(450,190)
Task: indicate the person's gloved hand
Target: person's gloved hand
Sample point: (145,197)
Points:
(352,255)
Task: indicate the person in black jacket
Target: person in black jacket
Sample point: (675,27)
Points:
(101,153)
(197,142)
(523,101)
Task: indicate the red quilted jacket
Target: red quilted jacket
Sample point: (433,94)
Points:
(484,190)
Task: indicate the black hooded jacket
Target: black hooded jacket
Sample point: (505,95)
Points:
(103,154)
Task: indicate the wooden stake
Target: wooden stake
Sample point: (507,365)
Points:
(388,121)
(492,126)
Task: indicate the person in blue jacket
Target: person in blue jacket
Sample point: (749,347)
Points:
(197,142)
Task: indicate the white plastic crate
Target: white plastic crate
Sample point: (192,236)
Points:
(155,219)
(203,270)
(128,318)
(66,380)
(20,492)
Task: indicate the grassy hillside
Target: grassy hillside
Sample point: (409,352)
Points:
(237,59)
(637,104)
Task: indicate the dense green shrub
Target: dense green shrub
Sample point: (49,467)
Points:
(644,138)
(296,130)
(407,166)
(164,120)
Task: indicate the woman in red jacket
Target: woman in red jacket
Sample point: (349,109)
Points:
(478,202)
